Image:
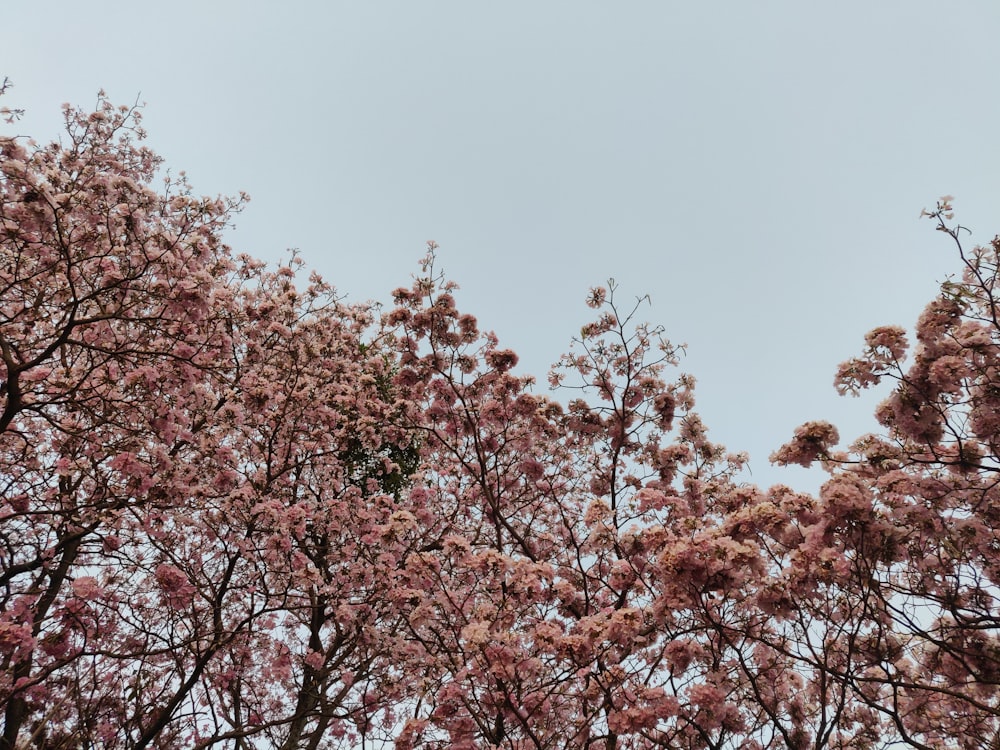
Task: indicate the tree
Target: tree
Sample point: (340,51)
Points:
(601,579)
(198,469)
(237,511)
(915,514)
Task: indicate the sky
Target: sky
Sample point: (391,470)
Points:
(756,168)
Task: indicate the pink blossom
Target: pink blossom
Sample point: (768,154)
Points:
(175,584)
(597,296)
(86,587)
(812,440)
(501,360)
(891,338)
(315,659)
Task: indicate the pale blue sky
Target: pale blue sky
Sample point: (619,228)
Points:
(756,167)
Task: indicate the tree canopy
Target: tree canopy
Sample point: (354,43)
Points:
(237,511)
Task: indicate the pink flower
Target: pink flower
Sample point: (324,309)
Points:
(16,639)
(892,338)
(501,360)
(665,404)
(315,659)
(111,543)
(86,587)
(476,633)
(811,441)
(533,470)
(175,584)
(597,296)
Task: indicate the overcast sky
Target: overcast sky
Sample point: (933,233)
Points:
(757,168)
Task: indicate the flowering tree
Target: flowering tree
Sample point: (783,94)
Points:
(198,464)
(911,518)
(600,578)
(239,512)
